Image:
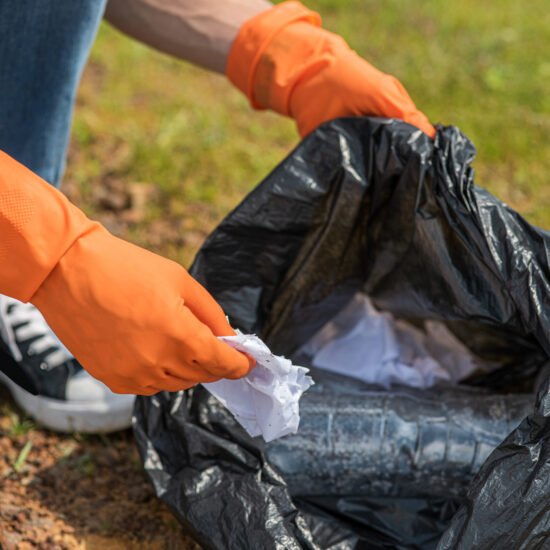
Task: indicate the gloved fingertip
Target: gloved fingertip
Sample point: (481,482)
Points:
(148,391)
(430,131)
(243,364)
(251,361)
(420,120)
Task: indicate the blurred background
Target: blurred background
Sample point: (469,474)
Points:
(161,151)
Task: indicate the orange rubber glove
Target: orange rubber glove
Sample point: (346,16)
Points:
(282,60)
(136,321)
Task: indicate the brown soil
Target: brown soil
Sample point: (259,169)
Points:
(76,491)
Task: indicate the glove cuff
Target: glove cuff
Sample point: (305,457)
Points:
(37,227)
(254,38)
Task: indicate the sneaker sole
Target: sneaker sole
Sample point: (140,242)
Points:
(72,416)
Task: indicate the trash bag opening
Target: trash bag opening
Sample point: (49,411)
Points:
(372,206)
(390,414)
(375,347)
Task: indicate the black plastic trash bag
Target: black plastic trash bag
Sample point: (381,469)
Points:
(374,206)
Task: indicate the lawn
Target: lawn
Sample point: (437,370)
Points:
(161,151)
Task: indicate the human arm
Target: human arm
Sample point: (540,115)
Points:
(197,31)
(279,56)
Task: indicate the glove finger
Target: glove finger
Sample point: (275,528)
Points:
(146,391)
(234,364)
(204,353)
(205,308)
(173,384)
(419,119)
(198,377)
(390,99)
(401,105)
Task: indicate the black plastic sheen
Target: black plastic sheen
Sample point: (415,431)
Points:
(375,206)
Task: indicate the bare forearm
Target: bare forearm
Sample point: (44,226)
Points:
(198,31)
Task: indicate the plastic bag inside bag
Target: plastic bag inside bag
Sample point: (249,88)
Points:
(372,207)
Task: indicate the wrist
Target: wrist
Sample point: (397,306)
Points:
(248,51)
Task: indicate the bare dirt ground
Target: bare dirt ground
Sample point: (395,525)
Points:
(76,492)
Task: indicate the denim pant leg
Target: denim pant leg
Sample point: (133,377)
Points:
(43,48)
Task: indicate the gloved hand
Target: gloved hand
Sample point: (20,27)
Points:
(282,60)
(134,320)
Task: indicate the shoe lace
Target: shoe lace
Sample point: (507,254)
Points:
(27,323)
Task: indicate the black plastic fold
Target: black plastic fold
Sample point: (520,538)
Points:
(374,206)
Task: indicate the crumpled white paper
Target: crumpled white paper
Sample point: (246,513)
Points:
(372,346)
(266,401)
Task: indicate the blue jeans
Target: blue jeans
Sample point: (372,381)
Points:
(43,48)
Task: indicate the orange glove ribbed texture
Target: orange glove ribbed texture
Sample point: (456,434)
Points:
(282,60)
(136,321)
(37,226)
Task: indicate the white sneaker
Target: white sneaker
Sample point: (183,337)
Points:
(48,383)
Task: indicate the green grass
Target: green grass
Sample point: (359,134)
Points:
(19,463)
(146,118)
(19,425)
